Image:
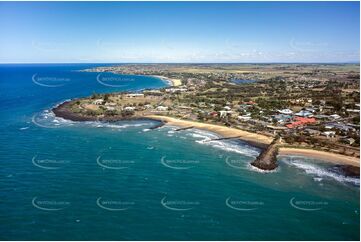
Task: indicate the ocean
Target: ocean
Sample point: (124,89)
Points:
(63,180)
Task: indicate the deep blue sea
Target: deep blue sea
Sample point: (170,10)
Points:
(62,180)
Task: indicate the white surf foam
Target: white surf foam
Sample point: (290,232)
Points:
(47,119)
(320,172)
(205,138)
(253,168)
(117,125)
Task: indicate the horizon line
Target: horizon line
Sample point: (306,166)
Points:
(30,63)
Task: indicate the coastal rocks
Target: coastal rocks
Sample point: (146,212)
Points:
(267,160)
(347,170)
(64,111)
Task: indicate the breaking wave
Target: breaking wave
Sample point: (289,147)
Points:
(47,119)
(118,125)
(319,172)
(235,146)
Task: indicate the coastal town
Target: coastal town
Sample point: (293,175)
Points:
(312,106)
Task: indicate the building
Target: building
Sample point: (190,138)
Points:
(246,117)
(173,90)
(304,113)
(329,134)
(162,108)
(299,121)
(282,118)
(224,113)
(335,116)
(285,111)
(148,106)
(98,101)
(353,110)
(129,108)
(135,95)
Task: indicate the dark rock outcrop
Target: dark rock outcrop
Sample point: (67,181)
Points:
(267,160)
(347,170)
(63,111)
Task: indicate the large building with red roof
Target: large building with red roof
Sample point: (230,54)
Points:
(300,121)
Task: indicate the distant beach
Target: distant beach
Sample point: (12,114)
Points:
(171,81)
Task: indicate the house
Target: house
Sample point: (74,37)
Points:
(110,104)
(304,113)
(329,134)
(285,111)
(110,108)
(282,118)
(245,117)
(173,90)
(135,95)
(162,108)
(148,106)
(129,108)
(224,113)
(98,101)
(353,110)
(335,116)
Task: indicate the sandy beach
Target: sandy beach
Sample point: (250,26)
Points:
(258,139)
(171,81)
(321,155)
(218,129)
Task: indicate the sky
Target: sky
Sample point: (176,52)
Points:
(178,32)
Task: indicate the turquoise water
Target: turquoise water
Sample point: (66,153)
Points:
(62,180)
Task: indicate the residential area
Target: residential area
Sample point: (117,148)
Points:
(308,105)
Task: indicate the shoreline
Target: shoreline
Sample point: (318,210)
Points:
(328,157)
(170,81)
(257,140)
(261,141)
